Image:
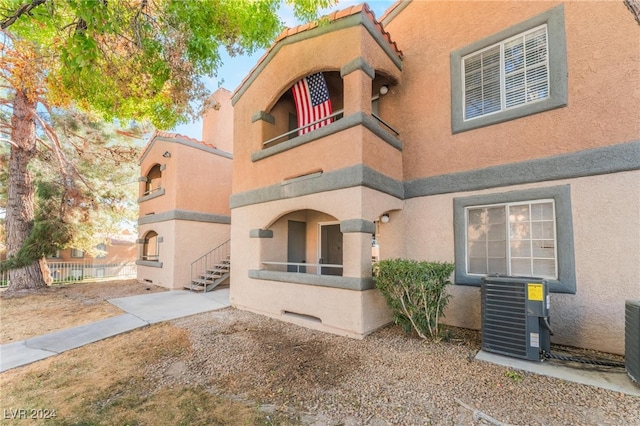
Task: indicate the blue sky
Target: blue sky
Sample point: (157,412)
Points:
(234,70)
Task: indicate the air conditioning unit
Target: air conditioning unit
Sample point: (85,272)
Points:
(632,339)
(515,316)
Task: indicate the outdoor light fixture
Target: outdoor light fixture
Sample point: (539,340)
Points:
(384,218)
(166,154)
(384,90)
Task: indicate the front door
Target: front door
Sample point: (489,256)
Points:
(330,249)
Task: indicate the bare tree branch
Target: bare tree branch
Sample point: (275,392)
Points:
(25,8)
(9,141)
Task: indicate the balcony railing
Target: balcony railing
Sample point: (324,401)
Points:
(302,267)
(337,115)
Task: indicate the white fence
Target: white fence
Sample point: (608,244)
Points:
(64,272)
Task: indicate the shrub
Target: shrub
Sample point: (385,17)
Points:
(415,292)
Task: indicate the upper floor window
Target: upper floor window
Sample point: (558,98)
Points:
(507,74)
(154,180)
(517,72)
(75,253)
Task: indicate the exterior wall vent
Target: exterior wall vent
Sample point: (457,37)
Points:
(515,313)
(632,339)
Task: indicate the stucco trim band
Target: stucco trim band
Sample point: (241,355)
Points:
(591,162)
(261,233)
(358,175)
(149,263)
(263,116)
(345,283)
(184,215)
(357,119)
(566,282)
(154,194)
(357,225)
(358,64)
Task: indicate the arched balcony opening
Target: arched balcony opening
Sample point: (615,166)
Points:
(308,104)
(318,100)
(151,247)
(306,242)
(153,181)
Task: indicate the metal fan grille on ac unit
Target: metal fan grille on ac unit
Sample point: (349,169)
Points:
(504,318)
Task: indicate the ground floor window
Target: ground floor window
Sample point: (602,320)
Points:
(512,239)
(150,247)
(523,233)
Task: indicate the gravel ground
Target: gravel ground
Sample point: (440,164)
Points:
(302,376)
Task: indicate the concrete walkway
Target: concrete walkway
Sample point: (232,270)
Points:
(140,311)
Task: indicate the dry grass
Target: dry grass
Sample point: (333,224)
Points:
(105,382)
(63,306)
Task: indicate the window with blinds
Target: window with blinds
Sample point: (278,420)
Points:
(511,73)
(512,239)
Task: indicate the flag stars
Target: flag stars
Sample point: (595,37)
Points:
(317,89)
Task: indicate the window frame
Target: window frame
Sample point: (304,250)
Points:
(509,237)
(151,178)
(74,253)
(101,247)
(502,74)
(557,72)
(145,247)
(565,258)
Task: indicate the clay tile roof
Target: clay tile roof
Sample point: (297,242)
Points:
(169,135)
(332,17)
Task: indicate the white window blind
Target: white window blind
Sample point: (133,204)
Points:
(513,239)
(506,75)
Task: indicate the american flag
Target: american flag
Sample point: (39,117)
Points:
(312,102)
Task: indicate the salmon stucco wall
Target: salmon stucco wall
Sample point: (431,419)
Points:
(217,122)
(182,243)
(606,248)
(603,62)
(347,312)
(275,77)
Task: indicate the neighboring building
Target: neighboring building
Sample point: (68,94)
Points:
(503,136)
(184,199)
(115,258)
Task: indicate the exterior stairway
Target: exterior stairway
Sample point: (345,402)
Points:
(211,269)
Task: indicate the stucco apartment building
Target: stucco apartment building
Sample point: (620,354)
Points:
(502,136)
(185,184)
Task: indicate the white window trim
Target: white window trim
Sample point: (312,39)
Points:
(508,239)
(503,102)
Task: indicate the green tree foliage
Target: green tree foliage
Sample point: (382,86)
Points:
(415,292)
(142,60)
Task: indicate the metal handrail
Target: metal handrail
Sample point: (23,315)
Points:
(302,264)
(335,114)
(387,125)
(290,132)
(208,260)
